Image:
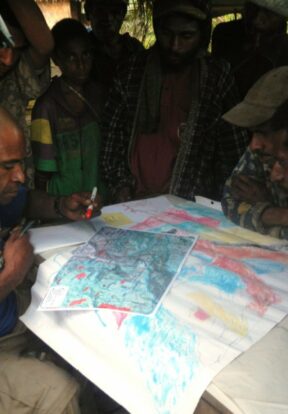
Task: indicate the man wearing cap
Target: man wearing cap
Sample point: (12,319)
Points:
(256,194)
(254,44)
(110,47)
(163,131)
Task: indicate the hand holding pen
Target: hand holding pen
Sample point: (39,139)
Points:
(17,256)
(75,206)
(26,227)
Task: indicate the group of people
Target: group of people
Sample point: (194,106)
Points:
(135,123)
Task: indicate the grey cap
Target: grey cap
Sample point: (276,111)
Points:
(276,6)
(197,9)
(262,100)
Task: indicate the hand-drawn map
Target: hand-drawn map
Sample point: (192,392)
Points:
(231,290)
(118,269)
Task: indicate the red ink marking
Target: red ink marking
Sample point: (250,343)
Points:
(77,302)
(122,282)
(113,307)
(262,294)
(120,317)
(176,217)
(227,257)
(241,253)
(202,315)
(81,276)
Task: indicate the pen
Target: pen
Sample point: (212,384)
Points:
(89,210)
(26,227)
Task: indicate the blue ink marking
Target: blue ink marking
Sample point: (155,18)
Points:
(162,349)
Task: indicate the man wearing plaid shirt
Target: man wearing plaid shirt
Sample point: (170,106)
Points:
(162,127)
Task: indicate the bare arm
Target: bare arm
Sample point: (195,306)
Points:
(18,256)
(35,29)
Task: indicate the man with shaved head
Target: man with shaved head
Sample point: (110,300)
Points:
(26,383)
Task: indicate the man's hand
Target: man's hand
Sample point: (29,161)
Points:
(275,216)
(74,207)
(18,256)
(43,206)
(249,190)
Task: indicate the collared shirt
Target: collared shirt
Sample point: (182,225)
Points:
(249,215)
(205,159)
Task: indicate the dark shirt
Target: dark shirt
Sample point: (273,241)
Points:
(104,66)
(10,215)
(234,43)
(206,156)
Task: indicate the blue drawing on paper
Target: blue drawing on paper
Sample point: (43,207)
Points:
(162,347)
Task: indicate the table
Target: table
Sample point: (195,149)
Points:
(130,372)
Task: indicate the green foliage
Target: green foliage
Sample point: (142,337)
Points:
(138,22)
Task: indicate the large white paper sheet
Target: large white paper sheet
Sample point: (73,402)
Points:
(124,215)
(229,294)
(53,237)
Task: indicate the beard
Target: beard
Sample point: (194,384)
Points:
(175,62)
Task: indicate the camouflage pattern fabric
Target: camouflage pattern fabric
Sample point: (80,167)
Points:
(22,84)
(248,215)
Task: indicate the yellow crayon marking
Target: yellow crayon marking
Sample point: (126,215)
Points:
(233,322)
(116,219)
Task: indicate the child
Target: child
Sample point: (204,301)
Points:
(65,123)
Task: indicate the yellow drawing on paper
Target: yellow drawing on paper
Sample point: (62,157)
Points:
(233,322)
(116,219)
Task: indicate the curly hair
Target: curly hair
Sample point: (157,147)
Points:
(89,4)
(66,30)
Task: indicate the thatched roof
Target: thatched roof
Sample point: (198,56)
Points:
(142,7)
(215,3)
(52,1)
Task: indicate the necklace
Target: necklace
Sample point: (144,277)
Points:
(82,98)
